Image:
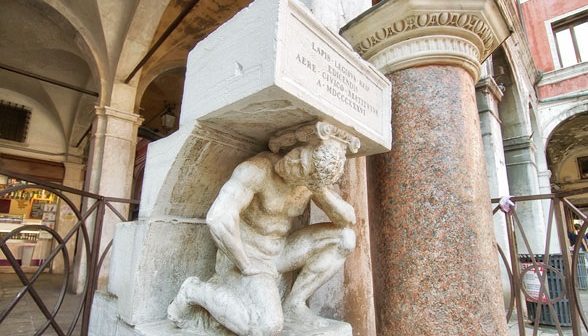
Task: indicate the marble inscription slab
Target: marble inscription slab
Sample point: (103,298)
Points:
(273,66)
(321,70)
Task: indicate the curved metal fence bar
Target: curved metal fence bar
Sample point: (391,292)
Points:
(541,272)
(575,257)
(511,303)
(86,233)
(32,280)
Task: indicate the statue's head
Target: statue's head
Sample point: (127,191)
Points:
(314,166)
(315,156)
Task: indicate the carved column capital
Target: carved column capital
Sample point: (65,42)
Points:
(102,111)
(400,34)
(118,124)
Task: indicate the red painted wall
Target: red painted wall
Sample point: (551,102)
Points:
(566,86)
(535,13)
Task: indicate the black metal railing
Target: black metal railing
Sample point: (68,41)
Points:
(86,233)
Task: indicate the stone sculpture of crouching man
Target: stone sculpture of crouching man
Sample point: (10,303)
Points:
(251,222)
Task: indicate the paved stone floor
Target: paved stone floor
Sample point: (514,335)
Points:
(26,318)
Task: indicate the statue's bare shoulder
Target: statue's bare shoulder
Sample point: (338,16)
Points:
(255,172)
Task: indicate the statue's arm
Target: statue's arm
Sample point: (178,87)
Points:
(337,209)
(223,218)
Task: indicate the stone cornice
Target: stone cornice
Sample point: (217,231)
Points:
(462,33)
(440,49)
(489,84)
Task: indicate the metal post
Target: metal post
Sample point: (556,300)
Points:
(93,266)
(516,273)
(565,251)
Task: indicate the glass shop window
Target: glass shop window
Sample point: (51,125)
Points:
(14,121)
(571,37)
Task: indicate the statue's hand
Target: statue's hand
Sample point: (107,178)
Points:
(337,209)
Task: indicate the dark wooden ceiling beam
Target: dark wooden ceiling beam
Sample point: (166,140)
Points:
(162,39)
(48,80)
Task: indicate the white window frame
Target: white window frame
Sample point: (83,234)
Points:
(551,35)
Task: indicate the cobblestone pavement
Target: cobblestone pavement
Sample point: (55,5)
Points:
(26,318)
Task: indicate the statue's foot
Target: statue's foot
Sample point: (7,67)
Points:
(301,314)
(176,312)
(180,307)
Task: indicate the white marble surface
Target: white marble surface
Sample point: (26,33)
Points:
(273,66)
(254,222)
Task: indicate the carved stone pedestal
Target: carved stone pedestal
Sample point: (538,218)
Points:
(272,72)
(167,328)
(335,328)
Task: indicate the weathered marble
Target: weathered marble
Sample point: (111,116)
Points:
(252,222)
(257,84)
(273,66)
(167,328)
(142,277)
(437,266)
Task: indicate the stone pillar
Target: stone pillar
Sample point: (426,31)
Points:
(358,281)
(435,254)
(523,180)
(110,172)
(488,96)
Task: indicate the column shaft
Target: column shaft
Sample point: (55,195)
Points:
(437,262)
(111,163)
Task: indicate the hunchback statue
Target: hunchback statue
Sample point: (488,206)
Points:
(252,222)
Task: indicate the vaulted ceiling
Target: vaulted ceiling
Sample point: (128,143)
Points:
(85,44)
(162,76)
(568,137)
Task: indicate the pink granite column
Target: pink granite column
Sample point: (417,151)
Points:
(435,259)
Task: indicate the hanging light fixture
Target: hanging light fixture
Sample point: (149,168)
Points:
(168,118)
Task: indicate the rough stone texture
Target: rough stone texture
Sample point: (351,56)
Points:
(358,282)
(253,221)
(167,328)
(185,171)
(143,276)
(434,245)
(103,320)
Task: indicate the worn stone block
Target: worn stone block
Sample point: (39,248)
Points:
(151,259)
(104,318)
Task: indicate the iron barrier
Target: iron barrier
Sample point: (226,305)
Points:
(544,285)
(86,233)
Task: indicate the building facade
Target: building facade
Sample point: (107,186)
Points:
(86,85)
